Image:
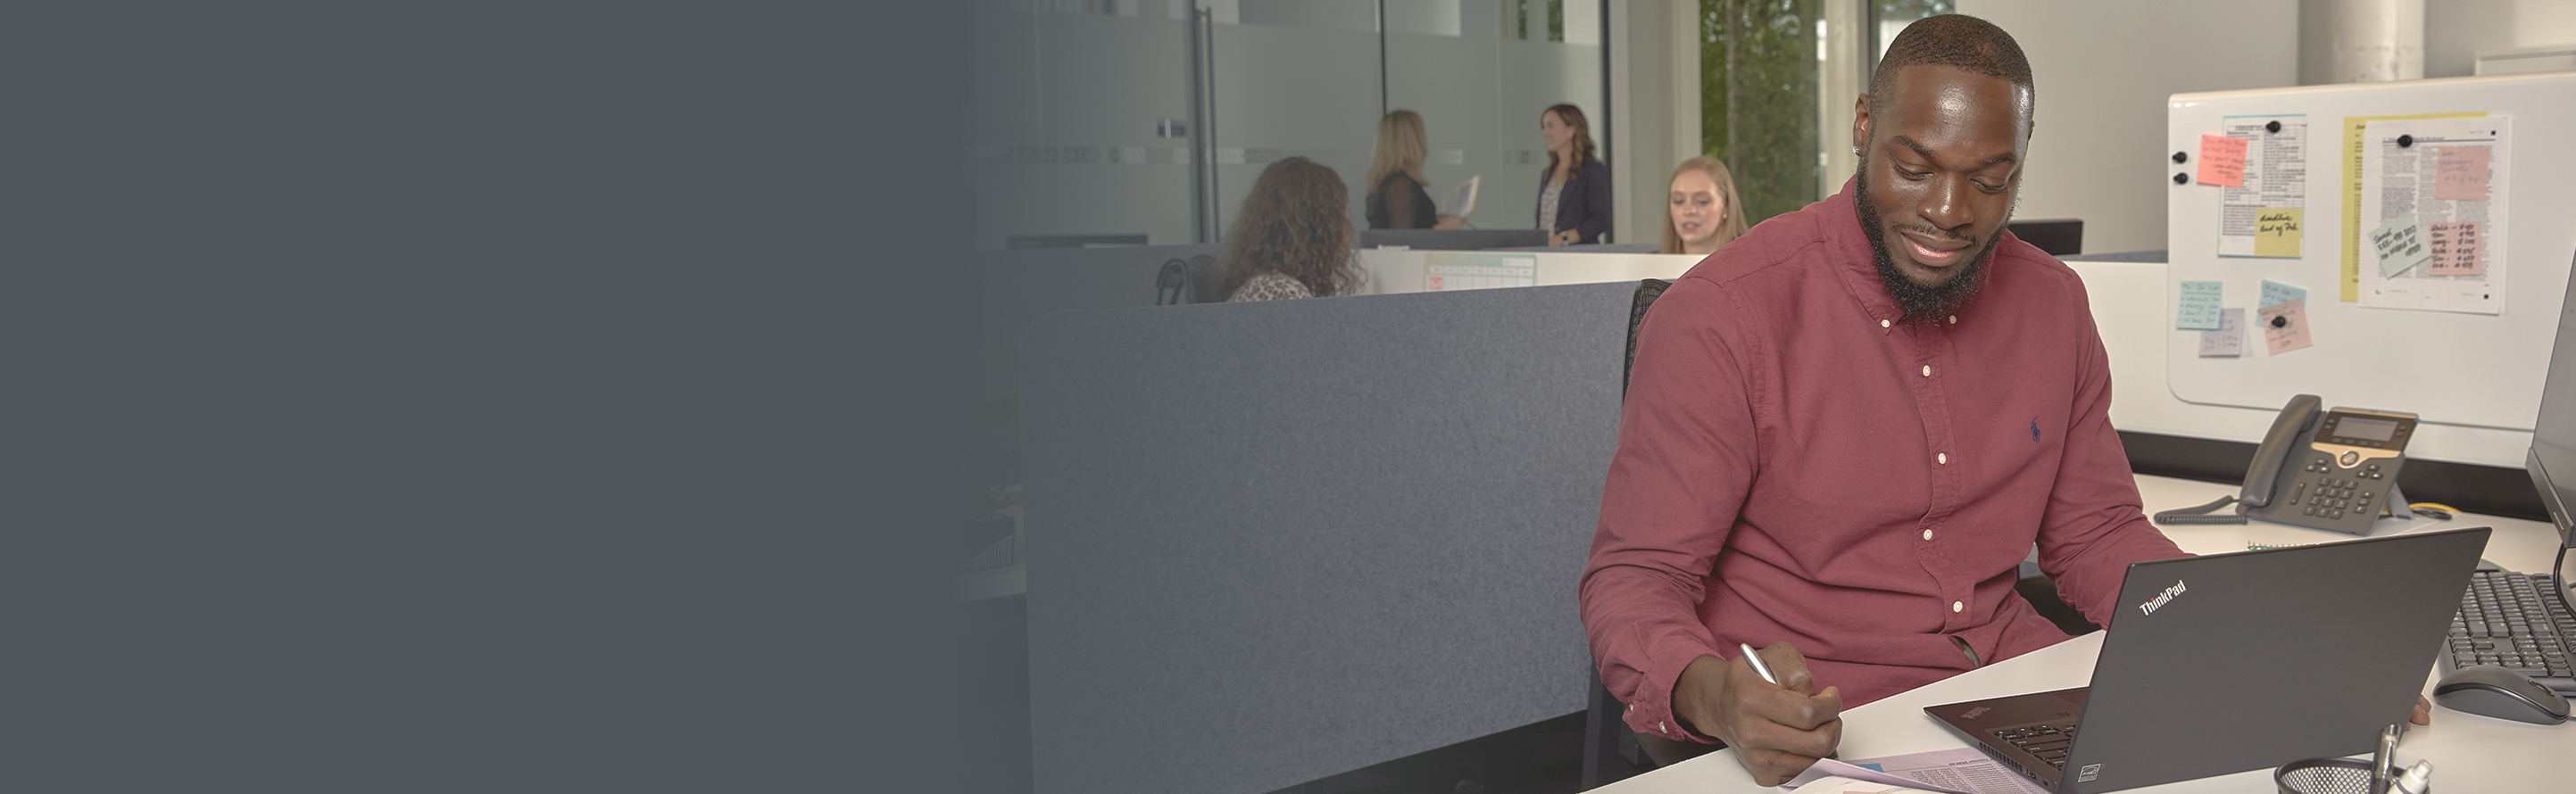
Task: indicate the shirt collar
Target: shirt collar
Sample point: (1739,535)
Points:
(1854,260)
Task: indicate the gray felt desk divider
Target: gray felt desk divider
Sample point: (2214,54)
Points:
(1272,542)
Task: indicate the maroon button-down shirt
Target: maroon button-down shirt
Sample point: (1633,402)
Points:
(1798,463)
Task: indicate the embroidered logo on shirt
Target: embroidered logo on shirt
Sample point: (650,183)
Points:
(2034,431)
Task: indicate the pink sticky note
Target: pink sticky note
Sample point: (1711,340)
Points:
(2222,161)
(2454,248)
(2462,175)
(2285,326)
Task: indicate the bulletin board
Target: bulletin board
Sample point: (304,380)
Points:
(2462,335)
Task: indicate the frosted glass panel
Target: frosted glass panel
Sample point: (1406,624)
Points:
(1285,91)
(1063,138)
(1480,93)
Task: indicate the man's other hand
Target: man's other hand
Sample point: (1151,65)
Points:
(1777,730)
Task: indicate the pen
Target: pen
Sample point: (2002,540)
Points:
(1756,660)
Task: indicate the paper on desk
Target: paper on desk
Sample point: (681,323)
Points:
(1844,785)
(1958,771)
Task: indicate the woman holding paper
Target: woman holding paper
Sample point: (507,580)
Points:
(1574,192)
(1395,196)
(1702,213)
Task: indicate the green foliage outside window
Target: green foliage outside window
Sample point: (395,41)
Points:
(1758,99)
(1758,92)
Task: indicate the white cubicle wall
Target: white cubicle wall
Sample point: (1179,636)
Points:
(2474,377)
(1398,271)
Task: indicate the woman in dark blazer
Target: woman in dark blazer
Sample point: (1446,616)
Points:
(1574,193)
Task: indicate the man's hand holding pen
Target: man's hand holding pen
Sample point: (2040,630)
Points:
(1766,706)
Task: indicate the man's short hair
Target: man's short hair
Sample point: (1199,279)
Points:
(1957,41)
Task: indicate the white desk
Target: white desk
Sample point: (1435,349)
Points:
(2469,753)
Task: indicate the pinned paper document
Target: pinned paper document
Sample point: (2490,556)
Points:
(2197,308)
(2264,195)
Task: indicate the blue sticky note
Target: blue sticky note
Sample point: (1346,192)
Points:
(2276,292)
(2197,310)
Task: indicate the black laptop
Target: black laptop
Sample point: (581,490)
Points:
(2240,661)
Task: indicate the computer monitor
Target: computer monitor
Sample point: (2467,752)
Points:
(2552,460)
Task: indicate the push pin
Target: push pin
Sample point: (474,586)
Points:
(2280,322)
(2272,126)
(2180,158)
(2182,179)
(2405,141)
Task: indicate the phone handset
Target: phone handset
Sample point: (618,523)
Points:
(2322,468)
(2264,473)
(2263,476)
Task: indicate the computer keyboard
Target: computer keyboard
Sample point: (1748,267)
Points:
(2515,621)
(2045,742)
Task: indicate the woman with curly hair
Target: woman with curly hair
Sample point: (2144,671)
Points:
(1293,238)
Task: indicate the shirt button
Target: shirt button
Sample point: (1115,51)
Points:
(1884,323)
(1927,534)
(1944,458)
(1659,728)
(1956,606)
(1954,319)
(1927,370)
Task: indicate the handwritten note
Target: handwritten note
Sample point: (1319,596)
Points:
(2400,243)
(2463,174)
(2276,231)
(2285,326)
(2277,292)
(2197,310)
(2455,248)
(2229,340)
(2222,161)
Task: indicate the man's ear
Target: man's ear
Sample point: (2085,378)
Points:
(1860,122)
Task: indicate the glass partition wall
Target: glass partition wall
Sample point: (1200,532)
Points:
(1126,121)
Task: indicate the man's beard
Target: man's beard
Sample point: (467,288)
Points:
(1915,300)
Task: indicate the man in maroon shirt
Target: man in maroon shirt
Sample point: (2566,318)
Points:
(1845,430)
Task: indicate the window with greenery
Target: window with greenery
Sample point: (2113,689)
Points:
(1760,70)
(1758,99)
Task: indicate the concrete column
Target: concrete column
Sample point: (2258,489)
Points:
(2370,40)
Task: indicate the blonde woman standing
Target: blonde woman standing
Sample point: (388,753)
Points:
(1396,199)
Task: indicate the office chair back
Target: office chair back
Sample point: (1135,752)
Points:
(1647,291)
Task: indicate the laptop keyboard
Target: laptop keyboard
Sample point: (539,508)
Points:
(2515,621)
(2047,742)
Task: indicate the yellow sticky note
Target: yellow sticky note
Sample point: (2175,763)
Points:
(2276,231)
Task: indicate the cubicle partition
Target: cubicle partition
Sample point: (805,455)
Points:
(1007,290)
(1268,543)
